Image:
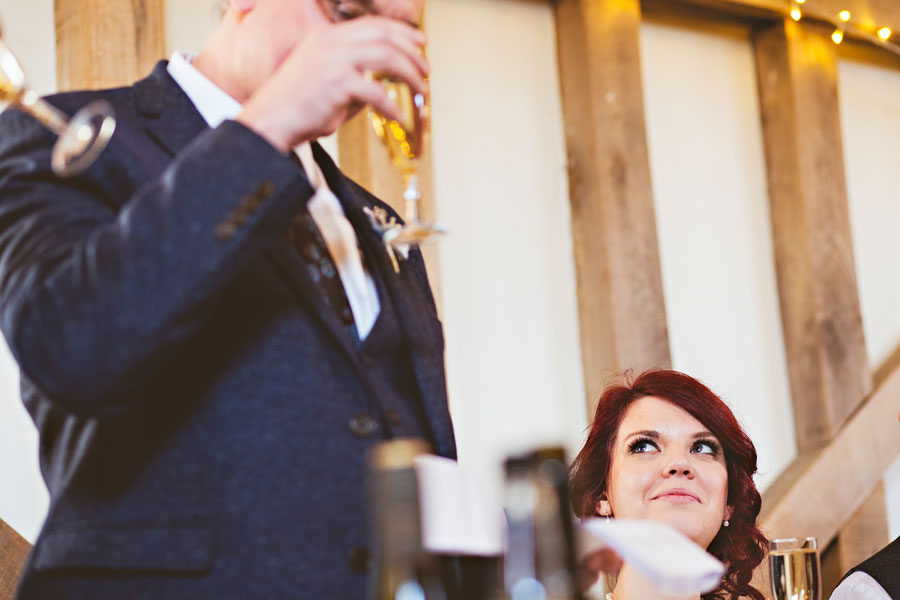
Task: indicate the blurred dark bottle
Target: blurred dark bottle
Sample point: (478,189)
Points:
(540,559)
(404,571)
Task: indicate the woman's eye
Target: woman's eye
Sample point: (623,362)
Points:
(641,446)
(705,447)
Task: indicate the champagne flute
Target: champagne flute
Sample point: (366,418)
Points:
(79,141)
(794,569)
(405,141)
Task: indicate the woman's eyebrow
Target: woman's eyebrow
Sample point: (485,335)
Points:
(703,434)
(654,435)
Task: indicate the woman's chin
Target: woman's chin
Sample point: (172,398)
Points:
(687,524)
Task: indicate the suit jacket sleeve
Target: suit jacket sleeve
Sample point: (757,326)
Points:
(101,278)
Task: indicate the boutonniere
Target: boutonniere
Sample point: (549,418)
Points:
(387,229)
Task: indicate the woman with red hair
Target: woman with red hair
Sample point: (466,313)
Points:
(664,447)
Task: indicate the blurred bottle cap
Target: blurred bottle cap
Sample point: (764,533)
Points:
(397,454)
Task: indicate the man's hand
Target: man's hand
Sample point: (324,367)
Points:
(326,79)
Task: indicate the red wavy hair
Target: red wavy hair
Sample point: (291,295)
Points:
(741,546)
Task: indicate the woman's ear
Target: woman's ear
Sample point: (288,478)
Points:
(602,507)
(729,510)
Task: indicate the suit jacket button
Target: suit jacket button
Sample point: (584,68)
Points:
(360,560)
(225,232)
(363,426)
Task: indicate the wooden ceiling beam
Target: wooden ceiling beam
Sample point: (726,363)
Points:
(869,14)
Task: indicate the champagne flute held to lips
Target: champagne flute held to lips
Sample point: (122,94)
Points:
(405,141)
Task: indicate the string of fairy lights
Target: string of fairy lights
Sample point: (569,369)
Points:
(844,25)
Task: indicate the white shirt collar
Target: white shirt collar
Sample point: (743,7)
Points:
(213,104)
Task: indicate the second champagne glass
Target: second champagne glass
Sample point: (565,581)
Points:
(80,140)
(794,569)
(405,141)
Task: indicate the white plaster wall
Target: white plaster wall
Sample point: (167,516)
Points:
(712,213)
(870,119)
(189,23)
(28,31)
(509,296)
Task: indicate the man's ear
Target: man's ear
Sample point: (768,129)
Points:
(602,507)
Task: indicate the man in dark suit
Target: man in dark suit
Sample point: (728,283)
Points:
(210,329)
(876,578)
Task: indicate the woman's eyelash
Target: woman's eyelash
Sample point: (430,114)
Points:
(713,445)
(640,445)
(635,445)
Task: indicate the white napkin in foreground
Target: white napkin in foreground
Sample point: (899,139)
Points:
(459,514)
(662,555)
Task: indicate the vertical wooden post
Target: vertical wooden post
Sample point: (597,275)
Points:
(825,346)
(826,353)
(865,533)
(103,43)
(620,296)
(13,552)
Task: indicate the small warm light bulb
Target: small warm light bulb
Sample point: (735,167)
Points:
(845,15)
(800,1)
(796,14)
(884,33)
(837,36)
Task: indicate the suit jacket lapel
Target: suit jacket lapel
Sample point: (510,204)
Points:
(408,297)
(170,117)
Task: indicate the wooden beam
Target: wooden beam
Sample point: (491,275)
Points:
(103,43)
(869,14)
(821,318)
(13,552)
(818,499)
(620,296)
(364,159)
(865,533)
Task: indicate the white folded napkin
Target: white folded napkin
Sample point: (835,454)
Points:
(459,514)
(662,555)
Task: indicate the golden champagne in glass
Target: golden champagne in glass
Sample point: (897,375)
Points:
(405,142)
(794,569)
(80,140)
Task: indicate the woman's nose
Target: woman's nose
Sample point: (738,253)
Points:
(679,466)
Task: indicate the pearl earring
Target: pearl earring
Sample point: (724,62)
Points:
(726,523)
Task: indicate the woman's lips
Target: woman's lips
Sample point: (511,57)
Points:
(677,495)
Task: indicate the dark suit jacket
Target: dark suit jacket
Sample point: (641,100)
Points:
(198,406)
